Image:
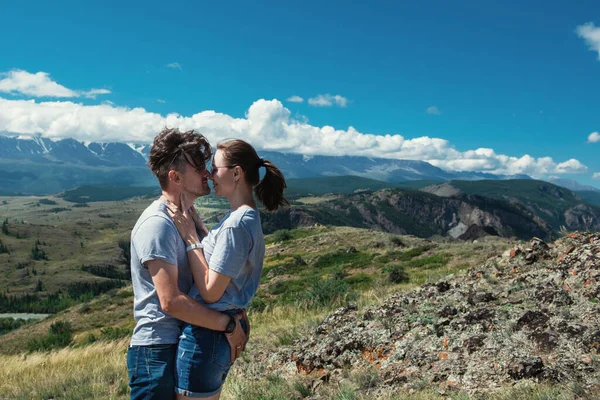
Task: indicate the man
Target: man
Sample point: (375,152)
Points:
(159,267)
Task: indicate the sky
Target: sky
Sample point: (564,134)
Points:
(482,85)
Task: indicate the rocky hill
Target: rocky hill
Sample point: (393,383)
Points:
(556,205)
(416,213)
(528,315)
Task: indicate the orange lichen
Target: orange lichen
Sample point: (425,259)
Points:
(445,343)
(378,354)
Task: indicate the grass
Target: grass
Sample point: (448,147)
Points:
(97,371)
(284,235)
(314,270)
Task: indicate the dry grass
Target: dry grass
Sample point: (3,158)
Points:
(97,371)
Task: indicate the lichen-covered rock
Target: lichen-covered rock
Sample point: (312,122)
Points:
(529,314)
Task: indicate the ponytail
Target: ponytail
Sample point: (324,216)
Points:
(270,189)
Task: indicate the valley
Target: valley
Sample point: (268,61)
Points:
(356,249)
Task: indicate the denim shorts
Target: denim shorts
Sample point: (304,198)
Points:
(151,371)
(203,361)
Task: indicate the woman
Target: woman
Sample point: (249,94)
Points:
(227,264)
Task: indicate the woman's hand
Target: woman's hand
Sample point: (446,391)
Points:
(184,221)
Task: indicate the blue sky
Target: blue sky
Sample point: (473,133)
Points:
(514,78)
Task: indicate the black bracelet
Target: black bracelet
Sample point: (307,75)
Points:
(230,325)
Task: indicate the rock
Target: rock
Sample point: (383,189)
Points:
(474,331)
(532,320)
(526,368)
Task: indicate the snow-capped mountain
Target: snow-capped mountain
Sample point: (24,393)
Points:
(71,151)
(80,160)
(115,154)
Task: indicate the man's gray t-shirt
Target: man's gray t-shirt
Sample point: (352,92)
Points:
(235,247)
(155,237)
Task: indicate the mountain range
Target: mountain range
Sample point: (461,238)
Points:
(48,166)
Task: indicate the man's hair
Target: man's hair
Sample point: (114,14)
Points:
(169,151)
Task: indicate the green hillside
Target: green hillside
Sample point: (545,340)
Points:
(589,196)
(345,185)
(45,178)
(540,192)
(92,193)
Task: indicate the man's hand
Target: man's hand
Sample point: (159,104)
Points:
(238,338)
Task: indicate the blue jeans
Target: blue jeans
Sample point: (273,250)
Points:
(151,371)
(203,361)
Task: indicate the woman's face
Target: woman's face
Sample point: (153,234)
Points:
(222,175)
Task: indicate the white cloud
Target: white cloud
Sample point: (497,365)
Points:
(161,101)
(594,137)
(596,175)
(91,94)
(571,166)
(433,110)
(327,100)
(295,99)
(268,125)
(174,65)
(591,34)
(40,85)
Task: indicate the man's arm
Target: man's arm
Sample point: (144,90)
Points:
(180,305)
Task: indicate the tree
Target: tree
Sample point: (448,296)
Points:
(37,253)
(3,248)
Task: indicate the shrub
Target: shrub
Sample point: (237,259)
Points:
(366,379)
(90,338)
(60,334)
(327,292)
(112,333)
(298,260)
(397,274)
(396,241)
(282,235)
(287,287)
(360,280)
(47,202)
(287,337)
(339,274)
(9,324)
(257,304)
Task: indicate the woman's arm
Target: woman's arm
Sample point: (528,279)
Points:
(210,284)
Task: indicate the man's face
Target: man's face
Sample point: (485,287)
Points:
(194,179)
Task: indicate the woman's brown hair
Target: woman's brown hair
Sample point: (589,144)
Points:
(269,189)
